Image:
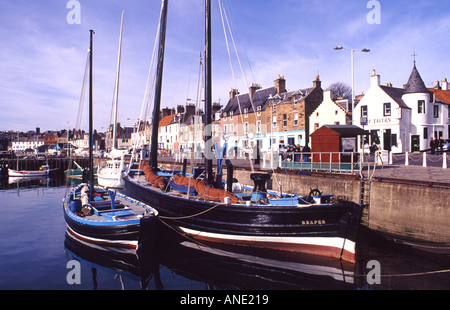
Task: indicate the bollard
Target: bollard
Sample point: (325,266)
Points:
(406,159)
(424,162)
(444,159)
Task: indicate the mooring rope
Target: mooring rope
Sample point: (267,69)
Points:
(190,216)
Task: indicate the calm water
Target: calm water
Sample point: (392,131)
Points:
(34,253)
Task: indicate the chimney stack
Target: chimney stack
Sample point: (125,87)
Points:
(444,84)
(374,79)
(166,112)
(233,93)
(317,83)
(252,90)
(190,109)
(280,85)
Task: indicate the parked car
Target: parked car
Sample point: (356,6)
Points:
(446,146)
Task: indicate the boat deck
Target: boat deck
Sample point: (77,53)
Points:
(103,210)
(245,196)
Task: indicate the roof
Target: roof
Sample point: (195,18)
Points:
(344,130)
(396,94)
(166,120)
(415,83)
(441,95)
(241,102)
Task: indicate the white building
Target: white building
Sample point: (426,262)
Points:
(402,119)
(21,144)
(329,112)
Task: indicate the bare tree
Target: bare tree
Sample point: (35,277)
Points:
(340,90)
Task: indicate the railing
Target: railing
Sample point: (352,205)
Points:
(353,162)
(322,161)
(423,159)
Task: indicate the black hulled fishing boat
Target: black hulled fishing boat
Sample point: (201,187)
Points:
(315,223)
(103,216)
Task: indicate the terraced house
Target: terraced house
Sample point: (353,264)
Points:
(270,116)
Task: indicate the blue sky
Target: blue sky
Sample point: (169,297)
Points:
(42,57)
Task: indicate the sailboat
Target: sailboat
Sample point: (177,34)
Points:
(101,216)
(110,173)
(202,211)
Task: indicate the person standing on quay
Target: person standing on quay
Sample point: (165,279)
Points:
(433,145)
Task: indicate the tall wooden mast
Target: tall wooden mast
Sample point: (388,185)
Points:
(208,95)
(153,162)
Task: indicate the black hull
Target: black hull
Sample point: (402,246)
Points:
(319,229)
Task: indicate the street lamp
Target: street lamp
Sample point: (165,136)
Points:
(352,52)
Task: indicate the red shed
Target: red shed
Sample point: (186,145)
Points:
(334,139)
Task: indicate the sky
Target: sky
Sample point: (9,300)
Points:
(43,55)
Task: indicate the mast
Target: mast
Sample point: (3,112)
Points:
(91,130)
(116,88)
(208,94)
(153,162)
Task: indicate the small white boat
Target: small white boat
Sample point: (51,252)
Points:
(42,172)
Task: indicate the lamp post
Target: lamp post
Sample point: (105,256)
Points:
(273,101)
(352,52)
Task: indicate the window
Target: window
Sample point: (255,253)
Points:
(421,107)
(336,112)
(316,126)
(258,126)
(231,114)
(425,133)
(295,119)
(284,120)
(225,128)
(387,109)
(232,128)
(246,128)
(394,140)
(363,111)
(246,112)
(258,110)
(436,111)
(274,121)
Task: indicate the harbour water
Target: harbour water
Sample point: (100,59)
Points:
(35,252)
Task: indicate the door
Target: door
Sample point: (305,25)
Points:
(415,143)
(387,143)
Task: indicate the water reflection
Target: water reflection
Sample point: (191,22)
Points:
(238,269)
(217,268)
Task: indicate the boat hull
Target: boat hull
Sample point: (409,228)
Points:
(327,230)
(27,174)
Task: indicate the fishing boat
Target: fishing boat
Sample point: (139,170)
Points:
(110,173)
(103,216)
(77,173)
(207,210)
